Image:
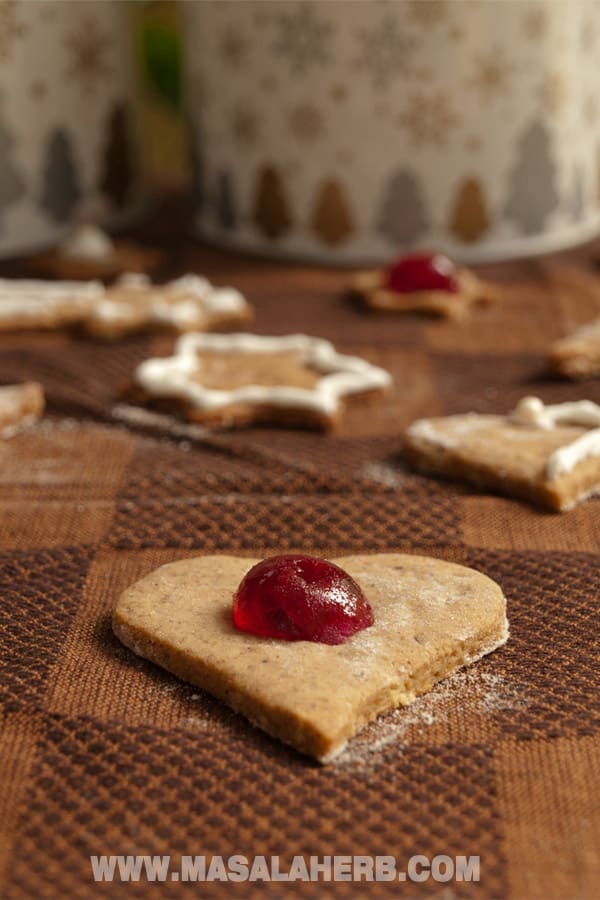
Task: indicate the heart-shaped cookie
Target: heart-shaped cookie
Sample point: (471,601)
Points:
(430,618)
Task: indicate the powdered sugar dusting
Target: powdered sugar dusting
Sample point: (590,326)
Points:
(468,692)
(383,473)
(144,418)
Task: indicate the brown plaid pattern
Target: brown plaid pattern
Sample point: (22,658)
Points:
(101,752)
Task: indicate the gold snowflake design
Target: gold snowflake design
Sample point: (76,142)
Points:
(305,122)
(385,51)
(553,92)
(10,27)
(535,23)
(304,38)
(38,90)
(491,75)
(88,48)
(339,92)
(233,48)
(269,83)
(429,118)
(588,35)
(245,125)
(590,110)
(473,143)
(427,12)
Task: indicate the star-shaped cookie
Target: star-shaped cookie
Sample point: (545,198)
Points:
(428,283)
(131,304)
(190,303)
(88,252)
(32,303)
(578,354)
(549,455)
(20,405)
(227,380)
(430,618)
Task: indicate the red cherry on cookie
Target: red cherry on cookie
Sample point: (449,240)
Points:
(422,272)
(300,598)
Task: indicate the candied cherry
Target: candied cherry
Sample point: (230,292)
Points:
(422,272)
(300,598)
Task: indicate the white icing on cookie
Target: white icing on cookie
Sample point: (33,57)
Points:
(589,331)
(30,298)
(532,411)
(342,374)
(566,458)
(134,280)
(455,428)
(87,242)
(582,413)
(196,298)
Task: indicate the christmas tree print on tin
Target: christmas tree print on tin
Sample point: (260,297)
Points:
(332,220)
(224,202)
(61,191)
(118,175)
(469,219)
(403,217)
(532,194)
(12,186)
(271,211)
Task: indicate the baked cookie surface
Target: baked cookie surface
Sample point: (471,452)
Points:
(190,303)
(20,405)
(229,380)
(443,289)
(33,303)
(578,354)
(430,618)
(131,304)
(89,252)
(549,455)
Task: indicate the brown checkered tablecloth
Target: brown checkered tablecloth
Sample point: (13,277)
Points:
(103,753)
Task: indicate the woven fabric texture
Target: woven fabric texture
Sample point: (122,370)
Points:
(101,752)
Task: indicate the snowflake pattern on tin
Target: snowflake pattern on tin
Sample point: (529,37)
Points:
(10,27)
(430,82)
(535,23)
(305,122)
(233,48)
(304,38)
(553,92)
(385,51)
(590,110)
(245,125)
(88,49)
(427,12)
(429,117)
(491,75)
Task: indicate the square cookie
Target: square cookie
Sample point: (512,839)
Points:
(549,455)
(577,355)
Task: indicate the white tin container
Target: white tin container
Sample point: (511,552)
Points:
(67,139)
(341,132)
